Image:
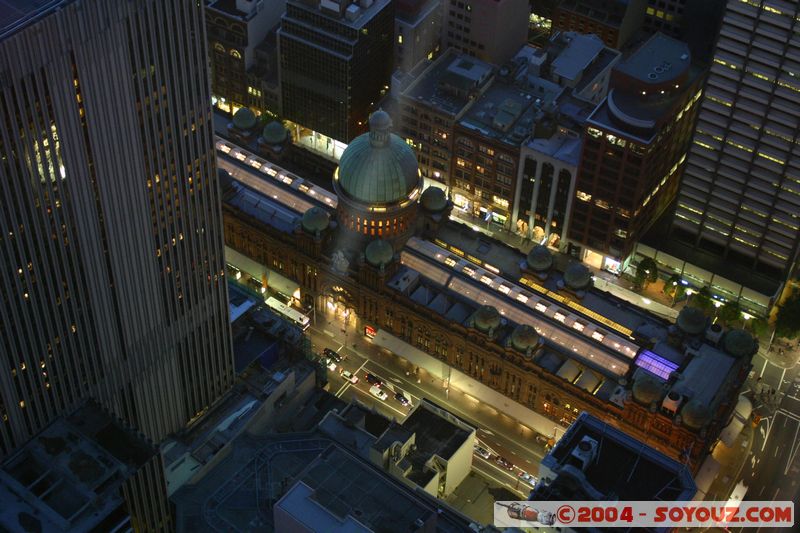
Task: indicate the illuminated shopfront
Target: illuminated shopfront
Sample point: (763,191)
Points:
(316,142)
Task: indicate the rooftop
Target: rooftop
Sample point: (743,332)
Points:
(438,432)
(446,84)
(611,13)
(69,477)
(660,59)
(339,492)
(350,14)
(596,461)
(506,112)
(578,52)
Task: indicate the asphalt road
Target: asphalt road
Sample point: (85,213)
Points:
(495,433)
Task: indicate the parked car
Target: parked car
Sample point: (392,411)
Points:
(505,463)
(330,364)
(527,478)
(481,451)
(332,355)
(374,380)
(378,392)
(400,397)
(349,376)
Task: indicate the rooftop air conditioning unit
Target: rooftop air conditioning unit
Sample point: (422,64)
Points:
(585,452)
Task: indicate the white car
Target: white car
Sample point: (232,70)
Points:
(378,392)
(331,365)
(349,376)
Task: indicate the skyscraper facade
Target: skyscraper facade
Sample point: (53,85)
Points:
(335,63)
(739,201)
(111,247)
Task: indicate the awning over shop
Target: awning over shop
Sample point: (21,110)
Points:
(275,281)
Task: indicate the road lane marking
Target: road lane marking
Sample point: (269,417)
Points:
(792,452)
(328,333)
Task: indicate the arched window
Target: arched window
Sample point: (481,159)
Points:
(236,54)
(219,48)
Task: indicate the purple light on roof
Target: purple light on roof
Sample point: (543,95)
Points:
(655,364)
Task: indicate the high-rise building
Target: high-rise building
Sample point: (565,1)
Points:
(335,63)
(417,30)
(738,209)
(491,30)
(241,41)
(111,247)
(635,145)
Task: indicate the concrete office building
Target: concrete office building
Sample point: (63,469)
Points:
(431,105)
(635,145)
(417,32)
(490,30)
(244,69)
(335,64)
(737,221)
(111,242)
(614,21)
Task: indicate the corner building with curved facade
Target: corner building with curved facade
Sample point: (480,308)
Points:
(529,330)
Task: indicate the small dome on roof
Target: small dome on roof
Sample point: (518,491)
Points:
(274,133)
(692,320)
(380,120)
(433,199)
(244,119)
(739,343)
(315,219)
(524,337)
(379,253)
(577,276)
(695,414)
(486,318)
(539,258)
(647,390)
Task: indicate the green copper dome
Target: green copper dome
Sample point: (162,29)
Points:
(486,318)
(379,253)
(577,276)
(695,414)
(739,343)
(433,199)
(315,219)
(692,320)
(274,133)
(378,167)
(539,258)
(244,119)
(647,390)
(524,337)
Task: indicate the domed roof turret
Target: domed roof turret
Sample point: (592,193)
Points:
(739,343)
(691,320)
(244,119)
(647,390)
(379,253)
(539,258)
(378,167)
(577,276)
(315,219)
(524,337)
(486,318)
(433,200)
(274,133)
(695,414)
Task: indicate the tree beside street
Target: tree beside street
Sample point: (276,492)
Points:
(646,272)
(787,324)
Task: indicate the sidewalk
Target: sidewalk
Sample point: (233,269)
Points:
(783,353)
(732,462)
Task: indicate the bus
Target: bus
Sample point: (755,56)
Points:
(287,312)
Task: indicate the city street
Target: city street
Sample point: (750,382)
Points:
(497,433)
